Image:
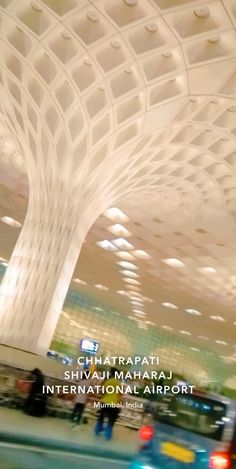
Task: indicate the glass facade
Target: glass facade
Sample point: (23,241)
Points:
(118,334)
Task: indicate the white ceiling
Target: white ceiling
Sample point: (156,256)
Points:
(156,83)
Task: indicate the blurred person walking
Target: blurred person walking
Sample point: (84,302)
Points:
(110,406)
(36,401)
(80,402)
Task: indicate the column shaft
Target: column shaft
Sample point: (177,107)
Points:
(36,282)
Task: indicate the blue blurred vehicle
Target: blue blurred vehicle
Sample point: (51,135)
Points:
(195,431)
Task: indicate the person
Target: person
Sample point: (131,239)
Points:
(110,406)
(80,402)
(35,403)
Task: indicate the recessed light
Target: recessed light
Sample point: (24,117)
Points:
(150,323)
(137,300)
(203,337)
(105,333)
(169,305)
(136,297)
(172,262)
(79,281)
(185,332)
(194,312)
(66,35)
(36,7)
(135,294)
(208,270)
(136,303)
(223,357)
(125,255)
(122,243)
(229,359)
(105,244)
(97,309)
(167,328)
(131,281)
(133,289)
(10,221)
(217,318)
(149,300)
(141,254)
(202,12)
(127,265)
(137,306)
(93,16)
(214,39)
(221,342)
(116,44)
(194,349)
(139,317)
(129,273)
(122,292)
(119,230)
(138,311)
(152,27)
(116,214)
(101,287)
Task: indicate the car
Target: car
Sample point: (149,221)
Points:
(195,431)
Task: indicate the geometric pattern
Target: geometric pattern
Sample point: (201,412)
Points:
(103,100)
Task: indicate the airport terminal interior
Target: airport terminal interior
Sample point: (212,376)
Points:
(117,211)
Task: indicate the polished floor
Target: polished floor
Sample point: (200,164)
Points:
(11,420)
(46,443)
(12,457)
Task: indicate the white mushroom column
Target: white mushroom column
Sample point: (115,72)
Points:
(97,95)
(40,270)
